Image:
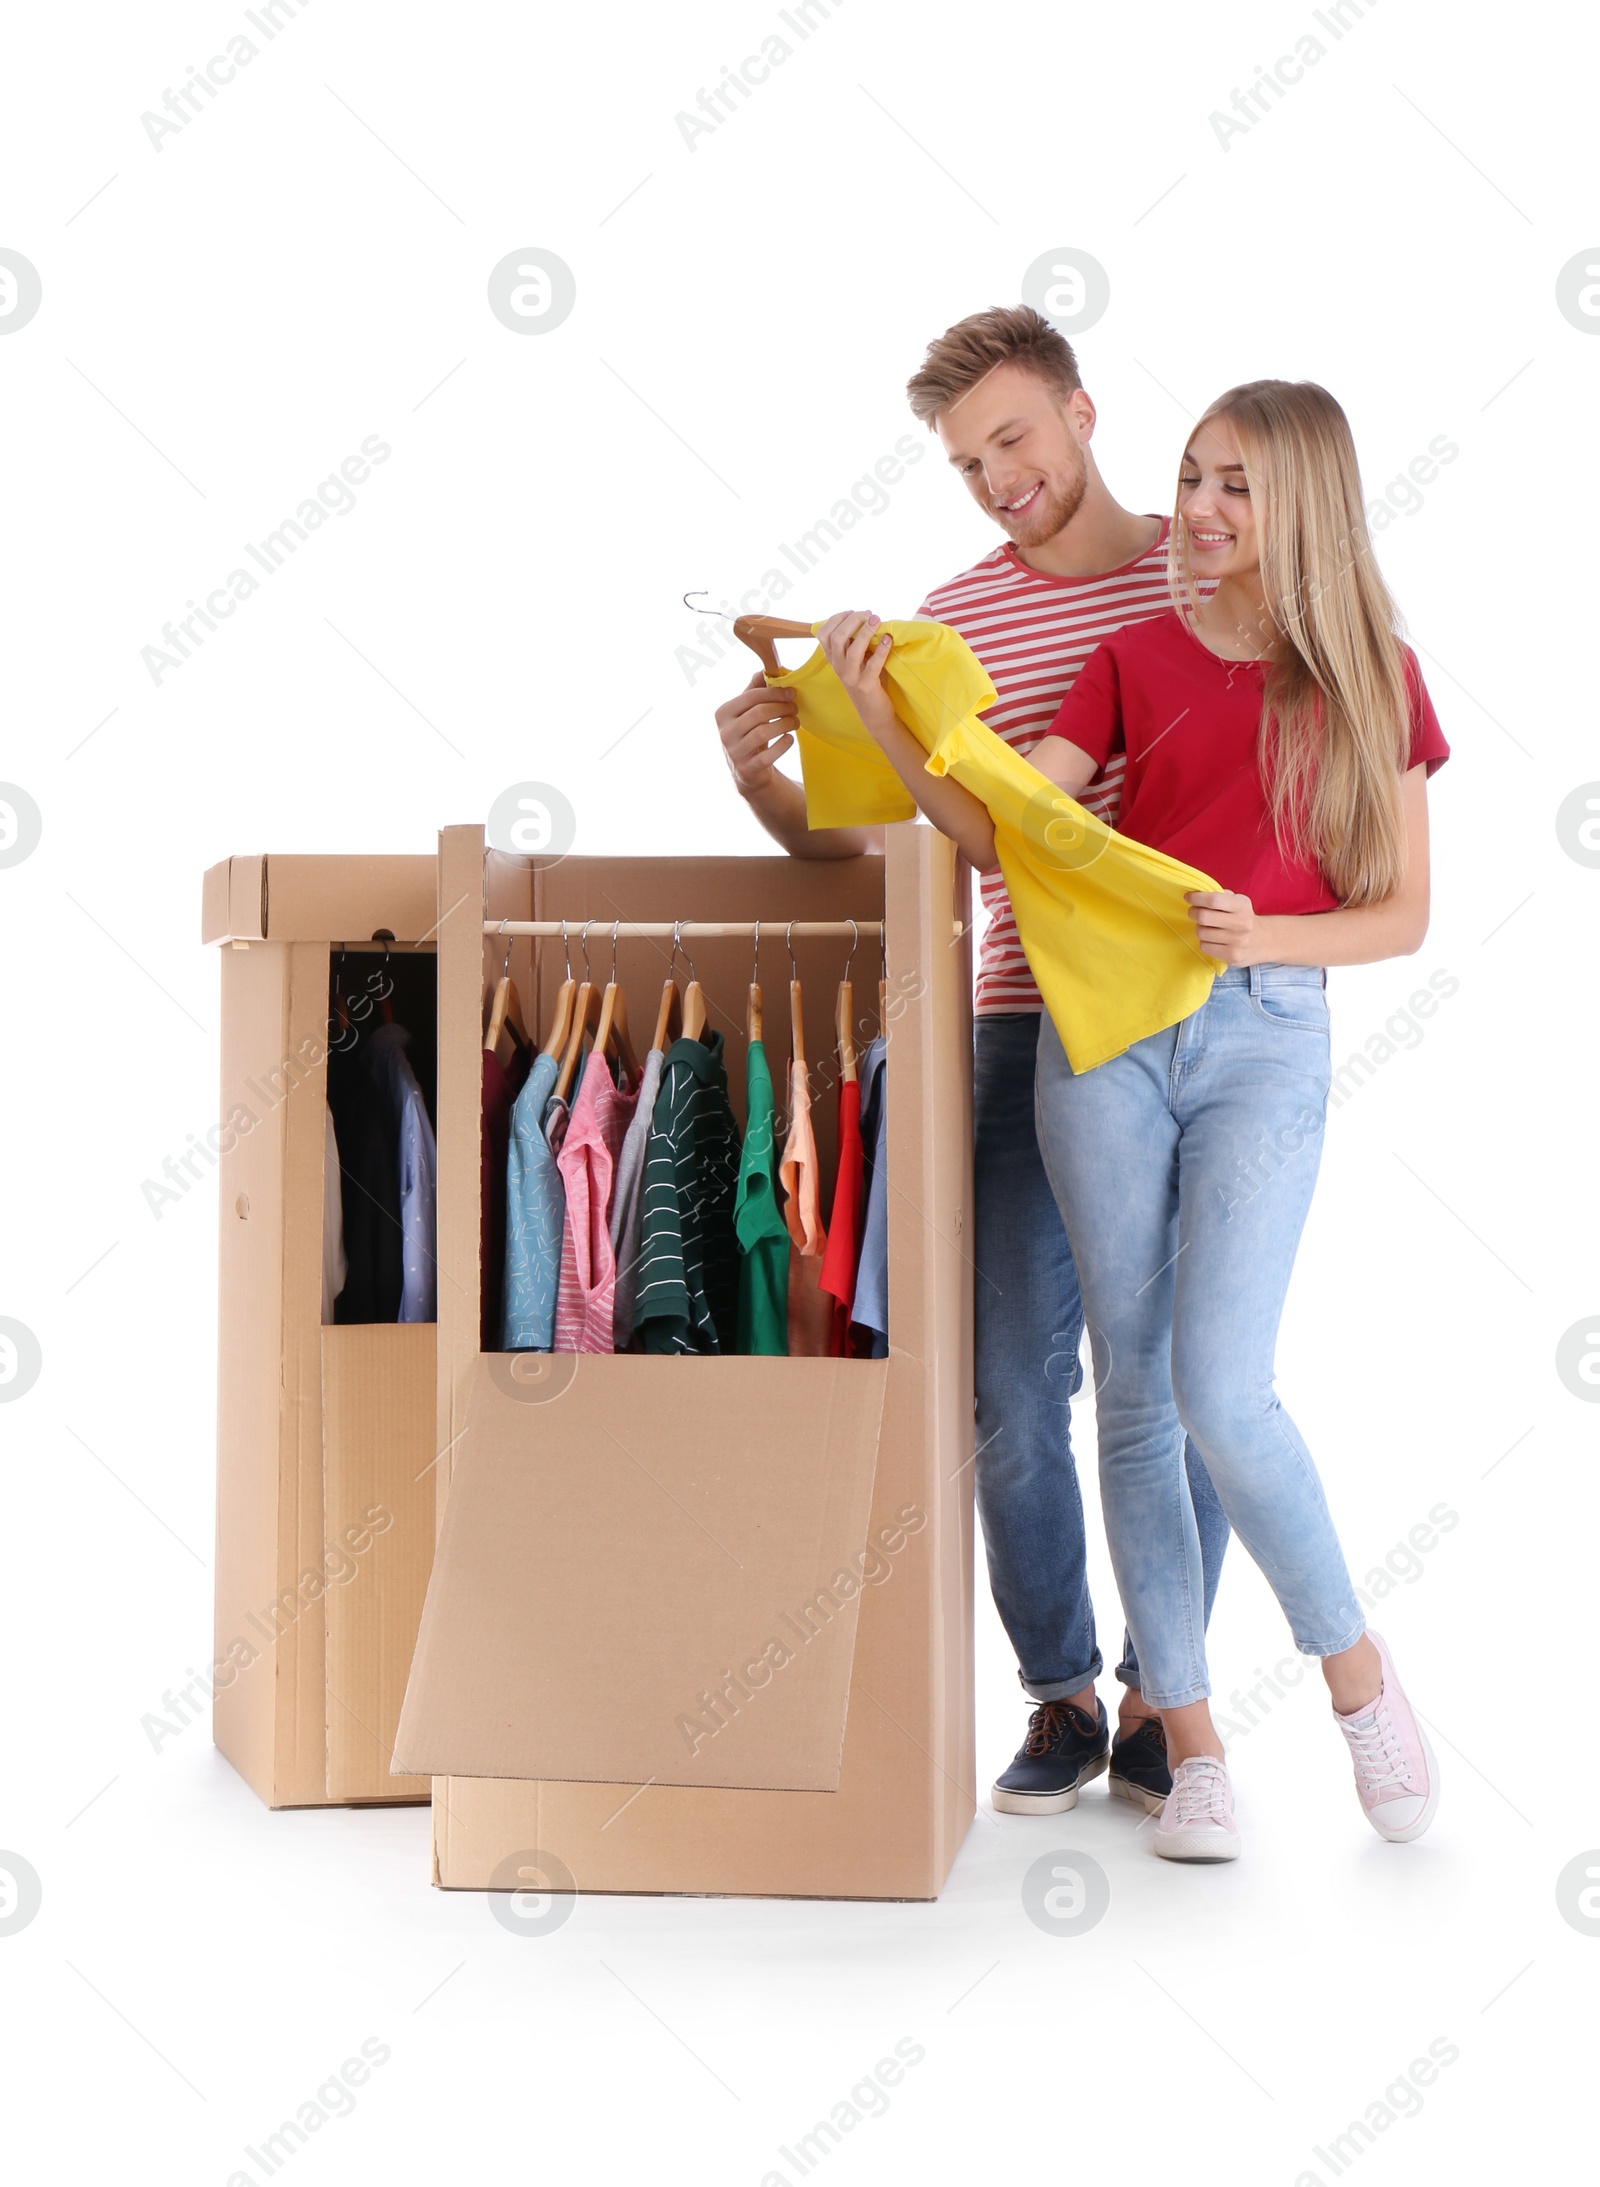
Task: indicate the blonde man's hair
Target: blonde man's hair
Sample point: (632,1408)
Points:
(1335,719)
(970,350)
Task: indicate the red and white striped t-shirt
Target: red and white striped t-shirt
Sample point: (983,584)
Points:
(1033,633)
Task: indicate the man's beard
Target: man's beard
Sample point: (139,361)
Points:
(1051,512)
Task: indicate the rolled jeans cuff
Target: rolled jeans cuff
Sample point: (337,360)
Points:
(1061,1689)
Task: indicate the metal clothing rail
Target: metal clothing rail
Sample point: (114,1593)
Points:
(714,930)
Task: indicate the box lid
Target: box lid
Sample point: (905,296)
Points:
(287,898)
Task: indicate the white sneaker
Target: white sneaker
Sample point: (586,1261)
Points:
(1397,1778)
(1197,1821)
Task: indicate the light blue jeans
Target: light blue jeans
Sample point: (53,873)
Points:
(1183,1170)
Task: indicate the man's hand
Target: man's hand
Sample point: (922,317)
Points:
(1226,927)
(847,640)
(756,728)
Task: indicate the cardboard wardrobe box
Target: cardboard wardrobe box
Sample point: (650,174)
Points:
(324,1435)
(704,1625)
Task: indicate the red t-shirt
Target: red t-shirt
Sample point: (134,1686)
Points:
(1190,724)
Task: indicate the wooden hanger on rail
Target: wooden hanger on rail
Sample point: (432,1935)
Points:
(507,1025)
(753,1010)
(694,1000)
(585,1017)
(844,1016)
(611,1029)
(797,1015)
(566,994)
(669,1018)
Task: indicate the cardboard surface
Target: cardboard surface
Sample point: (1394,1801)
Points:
(284,898)
(275,1550)
(649,1569)
(906,1790)
(377,1457)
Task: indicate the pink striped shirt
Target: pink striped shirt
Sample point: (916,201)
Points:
(1033,633)
(586,1295)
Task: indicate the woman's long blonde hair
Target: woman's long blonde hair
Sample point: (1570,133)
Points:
(1335,720)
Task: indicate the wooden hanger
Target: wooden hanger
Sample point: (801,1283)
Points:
(506,1019)
(562,1024)
(566,995)
(611,1032)
(797,1020)
(506,1022)
(585,1017)
(844,1016)
(753,1008)
(758,632)
(669,1018)
(694,1001)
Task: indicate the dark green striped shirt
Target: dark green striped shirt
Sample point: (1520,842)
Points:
(688,1254)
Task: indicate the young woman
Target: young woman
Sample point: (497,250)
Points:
(1278,736)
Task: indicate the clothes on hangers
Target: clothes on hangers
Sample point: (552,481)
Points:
(418,1159)
(586,1298)
(627,1198)
(334,1266)
(869,1310)
(810,1310)
(536,1206)
(687,1296)
(838,1277)
(501,1085)
(367,1132)
(1103,919)
(763,1322)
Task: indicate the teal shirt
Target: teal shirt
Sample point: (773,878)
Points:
(758,1224)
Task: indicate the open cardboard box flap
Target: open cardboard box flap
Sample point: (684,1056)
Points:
(648,1572)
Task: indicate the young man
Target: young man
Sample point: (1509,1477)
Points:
(1001,390)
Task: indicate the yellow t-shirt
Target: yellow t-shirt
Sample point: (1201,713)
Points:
(1102,919)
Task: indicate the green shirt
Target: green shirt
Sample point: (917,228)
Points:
(688,1254)
(758,1225)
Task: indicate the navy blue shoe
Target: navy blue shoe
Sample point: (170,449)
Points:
(1140,1771)
(1064,1749)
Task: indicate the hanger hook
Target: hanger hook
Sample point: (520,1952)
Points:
(583,944)
(614,925)
(505,968)
(689,600)
(566,950)
(855,936)
(680,949)
(755,968)
(788,943)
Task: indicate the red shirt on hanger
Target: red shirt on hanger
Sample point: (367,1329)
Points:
(844,1224)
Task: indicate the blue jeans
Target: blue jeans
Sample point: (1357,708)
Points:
(1029,1322)
(1184,1170)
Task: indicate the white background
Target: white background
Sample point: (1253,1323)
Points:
(304,265)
